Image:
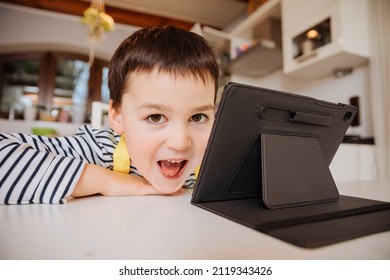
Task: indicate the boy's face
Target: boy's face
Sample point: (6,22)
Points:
(167,122)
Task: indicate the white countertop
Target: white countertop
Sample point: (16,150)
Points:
(62,128)
(162,227)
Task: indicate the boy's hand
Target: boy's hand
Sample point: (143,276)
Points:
(96,179)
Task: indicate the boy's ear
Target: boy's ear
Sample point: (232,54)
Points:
(115,118)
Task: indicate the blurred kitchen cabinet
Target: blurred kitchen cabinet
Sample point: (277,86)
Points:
(321,37)
(253,46)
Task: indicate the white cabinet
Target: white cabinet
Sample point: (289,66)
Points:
(345,43)
(253,47)
(354,162)
(60,128)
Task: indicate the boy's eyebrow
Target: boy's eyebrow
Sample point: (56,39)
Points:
(166,108)
(205,108)
(153,106)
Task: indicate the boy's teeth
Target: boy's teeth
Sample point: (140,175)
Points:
(174,161)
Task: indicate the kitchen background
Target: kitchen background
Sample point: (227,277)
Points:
(263,43)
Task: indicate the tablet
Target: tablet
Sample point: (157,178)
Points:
(274,146)
(266,166)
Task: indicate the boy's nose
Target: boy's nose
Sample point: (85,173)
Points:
(179,138)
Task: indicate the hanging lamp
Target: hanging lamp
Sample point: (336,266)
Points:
(98,23)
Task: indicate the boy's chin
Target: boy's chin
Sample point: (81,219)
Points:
(168,185)
(167,188)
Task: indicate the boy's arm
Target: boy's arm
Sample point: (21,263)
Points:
(42,170)
(30,173)
(98,180)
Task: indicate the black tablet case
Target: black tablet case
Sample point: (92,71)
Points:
(266,166)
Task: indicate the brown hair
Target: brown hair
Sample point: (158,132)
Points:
(167,49)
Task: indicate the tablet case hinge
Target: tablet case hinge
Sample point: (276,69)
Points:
(294,172)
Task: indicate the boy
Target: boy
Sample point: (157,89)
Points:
(162,83)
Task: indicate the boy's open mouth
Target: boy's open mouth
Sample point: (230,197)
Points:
(171,168)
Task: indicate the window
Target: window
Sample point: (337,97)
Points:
(53,82)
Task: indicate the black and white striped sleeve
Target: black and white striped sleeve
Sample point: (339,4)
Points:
(36,169)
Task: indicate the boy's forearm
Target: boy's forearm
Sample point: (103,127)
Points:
(92,181)
(98,180)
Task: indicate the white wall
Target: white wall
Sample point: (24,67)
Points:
(24,28)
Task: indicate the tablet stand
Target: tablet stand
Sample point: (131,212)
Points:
(294,172)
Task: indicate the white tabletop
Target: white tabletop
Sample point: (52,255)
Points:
(162,227)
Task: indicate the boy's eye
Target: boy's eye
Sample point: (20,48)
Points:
(199,118)
(156,118)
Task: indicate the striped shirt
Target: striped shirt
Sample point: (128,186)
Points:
(36,169)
